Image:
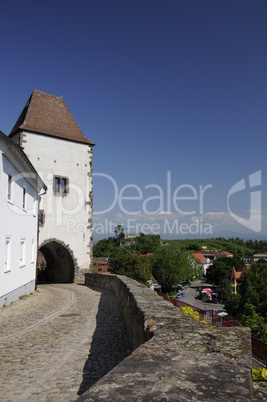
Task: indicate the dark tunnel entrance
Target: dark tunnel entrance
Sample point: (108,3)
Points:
(58,266)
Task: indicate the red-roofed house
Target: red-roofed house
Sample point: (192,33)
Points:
(100,264)
(204,261)
(200,257)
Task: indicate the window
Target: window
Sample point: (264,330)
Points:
(22,252)
(8,254)
(24,198)
(64,185)
(9,188)
(61,185)
(33,251)
(57,185)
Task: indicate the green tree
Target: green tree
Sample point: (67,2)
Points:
(170,267)
(250,305)
(196,267)
(253,288)
(232,305)
(221,267)
(186,265)
(147,243)
(105,247)
(250,318)
(165,268)
(225,290)
(135,267)
(195,246)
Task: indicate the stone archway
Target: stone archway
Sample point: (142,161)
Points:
(61,266)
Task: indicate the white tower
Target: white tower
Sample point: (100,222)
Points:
(63,157)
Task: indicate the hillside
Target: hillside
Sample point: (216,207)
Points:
(236,246)
(149,243)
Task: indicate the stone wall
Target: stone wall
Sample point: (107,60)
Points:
(174,357)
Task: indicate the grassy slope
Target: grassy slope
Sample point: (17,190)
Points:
(212,244)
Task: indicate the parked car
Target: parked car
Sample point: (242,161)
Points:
(180,295)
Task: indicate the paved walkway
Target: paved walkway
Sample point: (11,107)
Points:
(58,342)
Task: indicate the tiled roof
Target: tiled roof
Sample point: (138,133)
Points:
(100,263)
(224,254)
(217,254)
(239,272)
(48,114)
(200,257)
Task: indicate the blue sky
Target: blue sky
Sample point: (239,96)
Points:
(173,93)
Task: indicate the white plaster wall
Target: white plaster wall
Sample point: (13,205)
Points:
(17,223)
(66,217)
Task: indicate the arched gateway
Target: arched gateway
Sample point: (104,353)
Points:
(63,158)
(60,262)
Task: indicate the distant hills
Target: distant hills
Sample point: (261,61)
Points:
(235,245)
(223,234)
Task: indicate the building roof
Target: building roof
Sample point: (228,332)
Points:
(48,115)
(13,149)
(217,253)
(200,257)
(264,255)
(239,272)
(224,254)
(101,264)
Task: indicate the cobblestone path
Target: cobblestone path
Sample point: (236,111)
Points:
(58,342)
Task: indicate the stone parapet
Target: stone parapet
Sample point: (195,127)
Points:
(174,358)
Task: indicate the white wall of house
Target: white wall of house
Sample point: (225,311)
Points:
(18,229)
(259,256)
(66,215)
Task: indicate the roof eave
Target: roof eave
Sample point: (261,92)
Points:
(19,129)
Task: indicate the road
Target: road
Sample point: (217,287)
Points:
(58,342)
(192,292)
